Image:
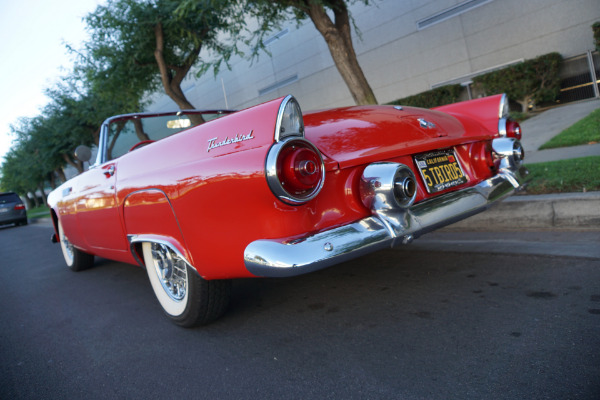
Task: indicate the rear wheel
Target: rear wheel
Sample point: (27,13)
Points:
(186,298)
(76,259)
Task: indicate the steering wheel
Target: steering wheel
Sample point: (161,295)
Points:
(139,144)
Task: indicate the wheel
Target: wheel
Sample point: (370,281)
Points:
(76,259)
(186,298)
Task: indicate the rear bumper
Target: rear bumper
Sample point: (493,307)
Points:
(284,258)
(386,228)
(18,217)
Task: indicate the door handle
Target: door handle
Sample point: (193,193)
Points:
(110,171)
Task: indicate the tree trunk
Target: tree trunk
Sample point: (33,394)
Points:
(339,40)
(41,187)
(78,165)
(36,202)
(61,174)
(172,82)
(28,201)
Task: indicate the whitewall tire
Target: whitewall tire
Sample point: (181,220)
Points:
(75,259)
(186,298)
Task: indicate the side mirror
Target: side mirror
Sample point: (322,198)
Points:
(83,153)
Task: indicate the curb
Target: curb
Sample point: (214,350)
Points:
(566,211)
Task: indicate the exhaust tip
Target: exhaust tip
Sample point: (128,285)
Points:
(405,187)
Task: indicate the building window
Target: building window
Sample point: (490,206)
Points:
(450,13)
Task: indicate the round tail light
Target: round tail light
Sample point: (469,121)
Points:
(513,129)
(295,170)
(509,128)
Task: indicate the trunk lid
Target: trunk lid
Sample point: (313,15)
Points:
(359,135)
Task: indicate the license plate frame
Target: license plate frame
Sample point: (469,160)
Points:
(440,170)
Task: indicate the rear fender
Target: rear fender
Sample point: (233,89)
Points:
(487,110)
(149,217)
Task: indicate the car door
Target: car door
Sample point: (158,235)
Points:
(98,210)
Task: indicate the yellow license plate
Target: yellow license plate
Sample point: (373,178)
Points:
(440,170)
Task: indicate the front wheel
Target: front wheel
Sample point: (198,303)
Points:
(76,259)
(186,298)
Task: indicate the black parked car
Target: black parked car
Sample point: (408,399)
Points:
(12,209)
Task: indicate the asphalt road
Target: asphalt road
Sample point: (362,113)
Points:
(468,321)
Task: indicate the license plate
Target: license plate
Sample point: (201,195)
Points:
(440,170)
(3,210)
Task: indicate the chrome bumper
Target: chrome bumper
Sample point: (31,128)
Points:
(389,226)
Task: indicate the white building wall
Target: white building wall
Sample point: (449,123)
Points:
(399,59)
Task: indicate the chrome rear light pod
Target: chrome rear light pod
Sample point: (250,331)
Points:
(295,170)
(388,185)
(510,151)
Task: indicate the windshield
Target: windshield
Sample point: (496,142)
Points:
(127,133)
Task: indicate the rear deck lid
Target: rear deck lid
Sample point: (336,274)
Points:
(359,135)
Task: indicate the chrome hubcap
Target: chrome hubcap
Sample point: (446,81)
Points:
(171,270)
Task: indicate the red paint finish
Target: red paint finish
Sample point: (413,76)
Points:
(205,190)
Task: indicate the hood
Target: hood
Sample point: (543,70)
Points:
(359,135)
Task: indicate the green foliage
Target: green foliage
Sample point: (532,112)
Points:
(432,98)
(114,71)
(531,82)
(135,46)
(575,175)
(584,131)
(596,29)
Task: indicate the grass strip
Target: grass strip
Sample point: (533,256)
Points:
(575,175)
(584,131)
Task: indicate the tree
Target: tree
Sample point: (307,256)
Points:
(138,46)
(529,83)
(336,32)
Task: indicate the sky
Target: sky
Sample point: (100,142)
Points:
(33,55)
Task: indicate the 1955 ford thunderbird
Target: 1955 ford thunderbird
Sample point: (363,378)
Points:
(200,197)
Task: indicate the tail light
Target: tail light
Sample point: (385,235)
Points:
(20,207)
(295,170)
(509,128)
(294,167)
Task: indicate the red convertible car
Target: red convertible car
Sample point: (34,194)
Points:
(271,192)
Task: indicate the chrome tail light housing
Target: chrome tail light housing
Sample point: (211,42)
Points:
(294,167)
(295,170)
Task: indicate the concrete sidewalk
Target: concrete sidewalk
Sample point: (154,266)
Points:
(543,127)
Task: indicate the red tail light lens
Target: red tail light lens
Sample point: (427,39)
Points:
(20,207)
(295,171)
(513,129)
(509,128)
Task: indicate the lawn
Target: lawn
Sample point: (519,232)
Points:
(38,212)
(585,131)
(575,175)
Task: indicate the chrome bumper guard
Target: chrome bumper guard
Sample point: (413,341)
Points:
(390,225)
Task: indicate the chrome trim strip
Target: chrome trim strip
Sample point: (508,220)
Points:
(504,107)
(135,239)
(387,227)
(502,123)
